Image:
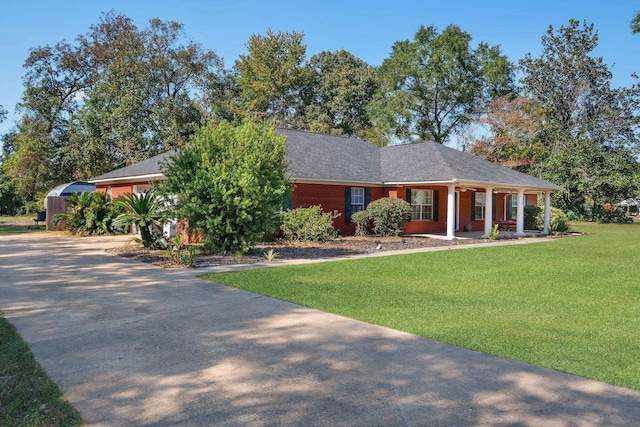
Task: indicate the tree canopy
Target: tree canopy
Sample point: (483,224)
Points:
(568,125)
(635,23)
(432,84)
(116,95)
(338,89)
(271,75)
(121,93)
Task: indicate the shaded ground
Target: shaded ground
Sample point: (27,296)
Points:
(343,246)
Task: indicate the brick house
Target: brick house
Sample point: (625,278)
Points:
(447,189)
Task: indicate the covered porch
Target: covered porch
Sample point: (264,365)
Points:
(489,191)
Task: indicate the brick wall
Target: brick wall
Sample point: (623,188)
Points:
(331,198)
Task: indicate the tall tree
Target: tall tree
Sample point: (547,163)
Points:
(589,128)
(55,79)
(430,86)
(574,89)
(514,139)
(339,86)
(271,75)
(145,99)
(114,96)
(590,174)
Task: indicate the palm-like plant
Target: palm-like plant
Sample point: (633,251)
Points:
(145,211)
(88,213)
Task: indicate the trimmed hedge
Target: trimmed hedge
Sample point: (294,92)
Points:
(308,224)
(384,217)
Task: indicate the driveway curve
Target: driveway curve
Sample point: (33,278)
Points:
(136,345)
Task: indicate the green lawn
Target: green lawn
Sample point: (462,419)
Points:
(18,224)
(572,304)
(28,397)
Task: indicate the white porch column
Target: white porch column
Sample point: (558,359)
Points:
(451,212)
(520,216)
(488,212)
(547,212)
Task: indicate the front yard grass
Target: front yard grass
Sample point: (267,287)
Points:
(28,397)
(18,224)
(572,304)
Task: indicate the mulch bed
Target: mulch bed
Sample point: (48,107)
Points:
(342,246)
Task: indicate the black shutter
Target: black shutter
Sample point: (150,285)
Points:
(367,197)
(508,215)
(473,206)
(408,199)
(287,203)
(494,199)
(436,205)
(347,205)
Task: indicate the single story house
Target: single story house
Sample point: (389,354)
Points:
(447,189)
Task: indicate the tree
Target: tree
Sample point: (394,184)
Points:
(589,130)
(635,23)
(116,95)
(430,86)
(144,101)
(573,87)
(230,182)
(338,89)
(515,127)
(271,75)
(590,174)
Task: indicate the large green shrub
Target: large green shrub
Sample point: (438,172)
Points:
(609,214)
(384,217)
(90,213)
(308,224)
(230,182)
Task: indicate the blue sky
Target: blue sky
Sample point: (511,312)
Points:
(368,29)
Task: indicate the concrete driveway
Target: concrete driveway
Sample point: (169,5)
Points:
(135,345)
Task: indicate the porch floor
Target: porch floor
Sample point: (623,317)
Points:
(476,235)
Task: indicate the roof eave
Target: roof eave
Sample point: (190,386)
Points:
(130,178)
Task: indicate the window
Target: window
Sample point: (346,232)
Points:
(480,206)
(421,205)
(513,206)
(357,199)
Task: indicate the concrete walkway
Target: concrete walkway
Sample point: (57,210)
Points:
(135,345)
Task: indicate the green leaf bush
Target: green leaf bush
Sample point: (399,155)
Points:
(609,214)
(90,213)
(383,217)
(308,224)
(230,182)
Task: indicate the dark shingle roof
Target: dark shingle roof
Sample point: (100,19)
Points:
(314,156)
(151,166)
(407,163)
(330,158)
